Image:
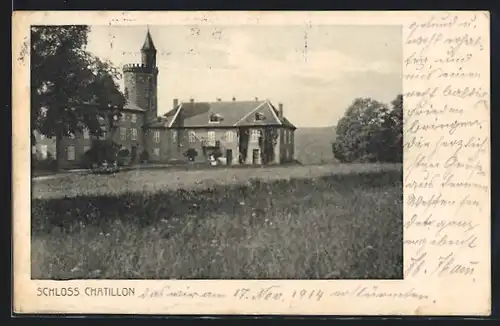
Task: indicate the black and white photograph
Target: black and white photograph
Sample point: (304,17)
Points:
(164,152)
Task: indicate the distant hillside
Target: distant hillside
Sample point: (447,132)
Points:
(314,145)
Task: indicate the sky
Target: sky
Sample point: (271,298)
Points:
(315,71)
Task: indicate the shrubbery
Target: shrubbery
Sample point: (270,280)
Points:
(370,131)
(101,150)
(191,154)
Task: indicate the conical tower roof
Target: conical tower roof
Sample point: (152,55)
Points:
(148,43)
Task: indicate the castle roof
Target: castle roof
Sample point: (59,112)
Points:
(148,43)
(230,114)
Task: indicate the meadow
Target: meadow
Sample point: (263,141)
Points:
(315,222)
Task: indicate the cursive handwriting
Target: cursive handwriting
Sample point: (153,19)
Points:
(167,291)
(446,143)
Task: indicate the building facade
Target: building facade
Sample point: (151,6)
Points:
(236,132)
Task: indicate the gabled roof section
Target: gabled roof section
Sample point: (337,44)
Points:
(262,115)
(148,43)
(232,113)
(162,121)
(158,122)
(133,107)
(284,121)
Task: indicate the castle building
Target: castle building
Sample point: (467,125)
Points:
(238,132)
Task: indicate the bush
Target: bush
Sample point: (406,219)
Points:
(102,150)
(191,154)
(370,132)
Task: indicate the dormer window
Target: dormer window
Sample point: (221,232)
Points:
(215,118)
(259,116)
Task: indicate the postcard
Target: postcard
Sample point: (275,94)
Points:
(256,163)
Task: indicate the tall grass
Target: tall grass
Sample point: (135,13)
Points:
(338,226)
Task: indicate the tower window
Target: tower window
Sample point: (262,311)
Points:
(133,117)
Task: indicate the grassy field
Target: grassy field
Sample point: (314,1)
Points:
(297,222)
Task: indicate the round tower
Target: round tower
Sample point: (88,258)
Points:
(141,80)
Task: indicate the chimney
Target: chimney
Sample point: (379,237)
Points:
(234,98)
(256,98)
(280,110)
(191,100)
(176,103)
(218,100)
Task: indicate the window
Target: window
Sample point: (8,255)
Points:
(259,116)
(71,135)
(43,151)
(174,136)
(86,149)
(214,118)
(71,153)
(156,151)
(230,136)
(255,135)
(211,136)
(123,117)
(133,135)
(86,133)
(156,136)
(123,133)
(192,137)
(133,117)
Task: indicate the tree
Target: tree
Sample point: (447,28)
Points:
(370,131)
(64,76)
